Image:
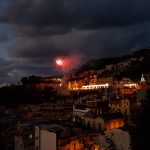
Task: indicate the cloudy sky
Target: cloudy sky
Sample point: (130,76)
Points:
(34,32)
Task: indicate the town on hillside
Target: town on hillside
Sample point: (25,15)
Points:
(104,107)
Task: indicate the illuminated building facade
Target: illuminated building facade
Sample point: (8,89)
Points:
(98,86)
(122,106)
(104,122)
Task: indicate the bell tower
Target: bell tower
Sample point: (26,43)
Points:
(142,79)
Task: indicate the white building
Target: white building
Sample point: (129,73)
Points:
(120,138)
(18,142)
(97,86)
(44,138)
(111,67)
(80,112)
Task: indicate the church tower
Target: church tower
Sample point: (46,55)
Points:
(143,83)
(142,79)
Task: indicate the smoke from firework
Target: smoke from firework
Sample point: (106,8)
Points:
(70,62)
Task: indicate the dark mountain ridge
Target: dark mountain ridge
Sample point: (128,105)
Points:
(142,62)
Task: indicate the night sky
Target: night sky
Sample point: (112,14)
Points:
(34,32)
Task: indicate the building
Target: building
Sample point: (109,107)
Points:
(123,65)
(111,67)
(127,90)
(79,111)
(121,138)
(45,139)
(122,106)
(48,82)
(55,137)
(24,137)
(103,122)
(103,80)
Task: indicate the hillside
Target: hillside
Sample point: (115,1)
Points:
(140,61)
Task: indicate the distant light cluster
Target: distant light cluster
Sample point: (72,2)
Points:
(97,86)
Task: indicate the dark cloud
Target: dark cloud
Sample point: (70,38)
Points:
(92,43)
(36,48)
(4,62)
(11,71)
(3,37)
(37,16)
(3,6)
(107,42)
(25,30)
(6,67)
(59,16)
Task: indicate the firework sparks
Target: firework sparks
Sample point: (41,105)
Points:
(59,62)
(67,63)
